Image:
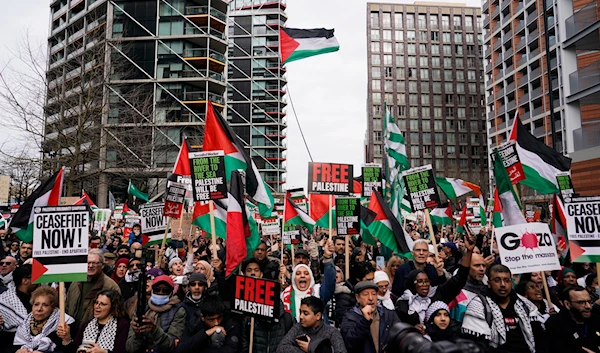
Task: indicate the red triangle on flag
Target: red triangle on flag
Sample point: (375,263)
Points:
(145,239)
(376,207)
(575,250)
(463,217)
(182,164)
(287,45)
(215,136)
(37,270)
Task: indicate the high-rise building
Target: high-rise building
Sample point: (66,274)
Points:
(256,93)
(127,81)
(425,63)
(518,53)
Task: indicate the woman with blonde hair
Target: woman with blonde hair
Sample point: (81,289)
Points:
(206,269)
(38,331)
(392,265)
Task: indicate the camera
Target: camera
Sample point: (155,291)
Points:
(404,338)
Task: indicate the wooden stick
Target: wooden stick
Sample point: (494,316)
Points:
(546,291)
(61,301)
(213,238)
(431,235)
(251,335)
(164,242)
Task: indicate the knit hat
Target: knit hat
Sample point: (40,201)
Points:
(362,285)
(381,276)
(434,308)
(567,270)
(198,277)
(174,260)
(301,252)
(452,247)
(155,272)
(122,260)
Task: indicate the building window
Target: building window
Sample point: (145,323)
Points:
(414,150)
(474,125)
(387,60)
(451,150)
(438,125)
(469,38)
(375,47)
(435,49)
(424,74)
(388,85)
(410,20)
(377,136)
(457,22)
(423,36)
(445,22)
(399,71)
(387,20)
(435,36)
(448,87)
(411,48)
(375,19)
(433,20)
(387,34)
(398,20)
(435,73)
(469,22)
(448,74)
(376,85)
(387,47)
(411,35)
(458,37)
(413,99)
(399,35)
(401,97)
(446,37)
(425,100)
(460,75)
(401,110)
(413,112)
(460,112)
(437,112)
(471,75)
(423,61)
(458,49)
(412,61)
(375,59)
(447,49)
(376,97)
(376,72)
(449,99)
(400,85)
(375,34)
(435,62)
(377,110)
(412,86)
(450,124)
(399,48)
(414,125)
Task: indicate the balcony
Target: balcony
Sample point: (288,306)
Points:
(191,30)
(504,4)
(518,8)
(485,6)
(583,18)
(498,60)
(536,73)
(537,111)
(536,93)
(486,21)
(491,115)
(496,44)
(496,12)
(193,11)
(488,52)
(501,110)
(496,27)
(76,35)
(510,87)
(587,136)
(532,36)
(521,44)
(534,53)
(532,17)
(523,80)
(190,54)
(585,78)
(505,19)
(96,23)
(507,37)
(58,46)
(519,27)
(195,97)
(60,12)
(511,105)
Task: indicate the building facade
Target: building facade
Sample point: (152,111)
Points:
(256,94)
(425,63)
(518,53)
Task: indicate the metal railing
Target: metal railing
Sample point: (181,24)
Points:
(205,10)
(585,77)
(583,18)
(587,136)
(190,30)
(198,53)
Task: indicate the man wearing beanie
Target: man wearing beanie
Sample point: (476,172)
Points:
(365,328)
(197,285)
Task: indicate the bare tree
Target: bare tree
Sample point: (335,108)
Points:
(23,173)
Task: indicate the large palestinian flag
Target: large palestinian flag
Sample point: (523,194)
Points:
(237,224)
(386,227)
(296,216)
(540,162)
(218,135)
(511,205)
(454,187)
(442,215)
(296,44)
(318,207)
(47,194)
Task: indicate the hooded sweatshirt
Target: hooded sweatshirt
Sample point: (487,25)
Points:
(292,296)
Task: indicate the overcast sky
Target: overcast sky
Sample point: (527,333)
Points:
(329,92)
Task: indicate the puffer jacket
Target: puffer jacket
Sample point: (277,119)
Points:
(343,301)
(267,335)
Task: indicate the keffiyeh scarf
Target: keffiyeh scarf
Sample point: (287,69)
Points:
(105,338)
(418,304)
(39,342)
(12,310)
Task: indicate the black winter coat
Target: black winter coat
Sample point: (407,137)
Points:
(267,335)
(195,340)
(563,334)
(356,330)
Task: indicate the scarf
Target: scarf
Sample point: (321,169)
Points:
(12,310)
(386,300)
(163,312)
(105,338)
(40,341)
(417,303)
(8,280)
(475,321)
(292,296)
(210,277)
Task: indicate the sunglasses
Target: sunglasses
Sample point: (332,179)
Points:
(161,290)
(134,265)
(7,263)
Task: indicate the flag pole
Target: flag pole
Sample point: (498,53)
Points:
(285,200)
(61,301)
(431,235)
(213,238)
(547,292)
(164,241)
(250,349)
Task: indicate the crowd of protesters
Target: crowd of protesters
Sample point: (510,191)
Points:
(459,290)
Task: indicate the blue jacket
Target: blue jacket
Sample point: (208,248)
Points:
(404,270)
(356,330)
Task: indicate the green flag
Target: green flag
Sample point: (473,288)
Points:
(135,192)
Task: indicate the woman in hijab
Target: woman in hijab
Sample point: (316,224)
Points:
(419,294)
(303,284)
(437,323)
(532,291)
(107,330)
(120,269)
(384,294)
(38,331)
(206,269)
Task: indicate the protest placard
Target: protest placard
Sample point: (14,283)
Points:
(154,223)
(101,218)
(256,297)
(347,215)
(270,226)
(330,178)
(583,228)
(528,247)
(291,234)
(60,244)
(174,199)
(564,184)
(209,181)
(372,179)
(421,187)
(511,161)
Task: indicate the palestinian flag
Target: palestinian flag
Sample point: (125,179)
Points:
(2,222)
(558,223)
(182,164)
(454,188)
(442,215)
(201,217)
(296,216)
(47,194)
(497,214)
(540,162)
(86,200)
(386,227)
(366,218)
(318,207)
(218,135)
(128,211)
(296,44)
(482,214)
(358,185)
(462,223)
(237,224)
(511,206)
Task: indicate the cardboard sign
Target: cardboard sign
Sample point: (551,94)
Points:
(60,244)
(209,181)
(101,218)
(511,161)
(118,213)
(174,199)
(372,179)
(421,187)
(129,222)
(564,184)
(528,247)
(583,228)
(347,215)
(153,222)
(330,179)
(270,226)
(256,297)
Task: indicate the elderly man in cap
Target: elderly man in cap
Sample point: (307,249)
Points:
(365,328)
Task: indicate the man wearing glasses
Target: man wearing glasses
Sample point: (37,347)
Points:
(576,328)
(7,266)
(80,294)
(420,253)
(506,321)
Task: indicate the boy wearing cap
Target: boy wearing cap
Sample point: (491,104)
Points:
(162,325)
(366,327)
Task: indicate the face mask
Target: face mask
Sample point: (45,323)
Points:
(159,299)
